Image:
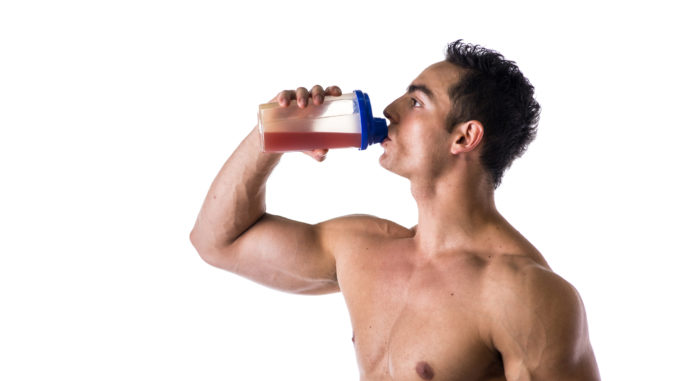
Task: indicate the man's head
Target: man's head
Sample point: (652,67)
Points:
(475,103)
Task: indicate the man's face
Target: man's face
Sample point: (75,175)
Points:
(418,141)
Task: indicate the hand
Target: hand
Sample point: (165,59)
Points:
(302,95)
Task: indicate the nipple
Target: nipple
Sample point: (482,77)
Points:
(424,370)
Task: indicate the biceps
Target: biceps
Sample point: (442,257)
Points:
(283,254)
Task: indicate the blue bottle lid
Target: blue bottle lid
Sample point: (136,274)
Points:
(373,130)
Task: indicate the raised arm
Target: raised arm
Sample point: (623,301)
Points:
(234,232)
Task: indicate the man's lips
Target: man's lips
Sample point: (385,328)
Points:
(386,139)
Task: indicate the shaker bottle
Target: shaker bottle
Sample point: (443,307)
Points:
(343,121)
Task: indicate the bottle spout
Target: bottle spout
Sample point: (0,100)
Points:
(374,130)
(379,130)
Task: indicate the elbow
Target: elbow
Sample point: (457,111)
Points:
(208,250)
(194,237)
(196,240)
(200,244)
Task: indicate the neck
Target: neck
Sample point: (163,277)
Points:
(454,209)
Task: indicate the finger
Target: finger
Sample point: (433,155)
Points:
(317,94)
(321,153)
(285,97)
(334,91)
(302,97)
(318,154)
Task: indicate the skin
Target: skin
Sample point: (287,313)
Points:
(461,296)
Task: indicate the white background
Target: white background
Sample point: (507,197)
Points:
(116,116)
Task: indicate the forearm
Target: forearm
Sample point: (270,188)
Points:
(236,198)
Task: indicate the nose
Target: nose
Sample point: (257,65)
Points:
(389,111)
(387,114)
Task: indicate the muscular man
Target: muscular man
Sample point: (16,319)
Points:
(462,295)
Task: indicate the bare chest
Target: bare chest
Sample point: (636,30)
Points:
(416,321)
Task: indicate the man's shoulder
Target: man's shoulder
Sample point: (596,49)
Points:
(520,290)
(521,276)
(537,320)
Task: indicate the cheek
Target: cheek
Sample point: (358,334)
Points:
(421,137)
(424,140)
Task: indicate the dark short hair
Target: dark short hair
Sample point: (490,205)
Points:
(494,92)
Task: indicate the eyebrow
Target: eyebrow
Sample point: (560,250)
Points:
(412,88)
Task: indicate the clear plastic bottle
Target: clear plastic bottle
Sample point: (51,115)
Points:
(343,121)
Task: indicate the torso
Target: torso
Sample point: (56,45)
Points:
(415,319)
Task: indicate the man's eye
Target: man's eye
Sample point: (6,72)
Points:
(414,103)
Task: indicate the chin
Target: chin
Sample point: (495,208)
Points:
(384,161)
(388,165)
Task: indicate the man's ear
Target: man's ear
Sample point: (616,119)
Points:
(467,136)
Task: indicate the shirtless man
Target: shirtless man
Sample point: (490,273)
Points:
(462,295)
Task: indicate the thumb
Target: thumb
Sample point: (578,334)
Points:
(318,154)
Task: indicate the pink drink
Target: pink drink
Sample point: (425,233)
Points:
(306,141)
